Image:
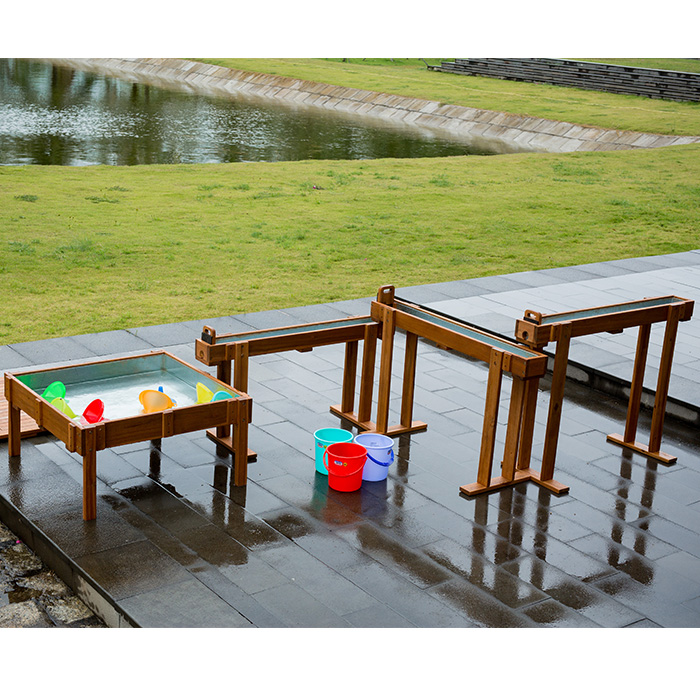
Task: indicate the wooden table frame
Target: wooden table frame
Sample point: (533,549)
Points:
(88,440)
(236,349)
(537,330)
(526,367)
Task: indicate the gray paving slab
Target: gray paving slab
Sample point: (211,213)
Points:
(51,351)
(10,358)
(161,335)
(112,342)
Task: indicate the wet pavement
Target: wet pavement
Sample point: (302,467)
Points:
(175,544)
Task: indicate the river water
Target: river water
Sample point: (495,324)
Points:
(51,115)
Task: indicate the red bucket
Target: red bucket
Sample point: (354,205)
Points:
(345,462)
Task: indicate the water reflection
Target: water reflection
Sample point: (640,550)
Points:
(51,115)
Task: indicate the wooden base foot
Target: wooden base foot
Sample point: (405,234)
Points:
(227,443)
(642,449)
(371,427)
(521,476)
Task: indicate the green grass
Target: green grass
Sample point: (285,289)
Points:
(98,248)
(411,78)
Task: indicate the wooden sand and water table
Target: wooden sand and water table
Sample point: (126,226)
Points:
(121,384)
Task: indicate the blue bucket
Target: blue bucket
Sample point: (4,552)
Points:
(325,437)
(380,455)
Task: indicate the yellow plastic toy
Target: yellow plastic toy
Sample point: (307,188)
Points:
(61,404)
(204,395)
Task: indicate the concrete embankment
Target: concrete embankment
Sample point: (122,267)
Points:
(483,129)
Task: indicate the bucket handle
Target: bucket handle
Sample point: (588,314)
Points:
(325,464)
(381,464)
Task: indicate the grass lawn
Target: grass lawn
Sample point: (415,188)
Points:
(99,248)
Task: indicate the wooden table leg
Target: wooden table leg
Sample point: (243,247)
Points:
(383,396)
(556,399)
(513,432)
(240,443)
(14,435)
(528,426)
(90,477)
(640,361)
(488,437)
(369,353)
(409,379)
(657,419)
(347,400)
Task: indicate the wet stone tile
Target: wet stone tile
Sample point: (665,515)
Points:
(214,546)
(671,533)
(593,519)
(616,554)
(159,504)
(567,558)
(292,524)
(479,608)
(181,449)
(682,563)
(656,607)
(30,464)
(643,624)
(237,592)
(78,537)
(132,569)
(165,541)
(551,613)
(322,582)
(250,531)
(297,608)
(582,598)
(42,498)
(541,517)
(480,572)
(377,617)
(416,567)
(217,549)
(171,606)
(334,551)
(416,605)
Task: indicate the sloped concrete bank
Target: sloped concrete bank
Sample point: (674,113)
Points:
(484,129)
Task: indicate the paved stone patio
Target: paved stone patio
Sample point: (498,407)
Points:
(176,545)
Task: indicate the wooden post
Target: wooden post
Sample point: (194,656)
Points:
(528,424)
(369,352)
(90,474)
(657,419)
(409,379)
(241,414)
(14,435)
(640,361)
(513,433)
(383,396)
(561,359)
(488,438)
(347,400)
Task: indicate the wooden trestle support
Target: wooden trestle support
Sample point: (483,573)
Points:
(537,330)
